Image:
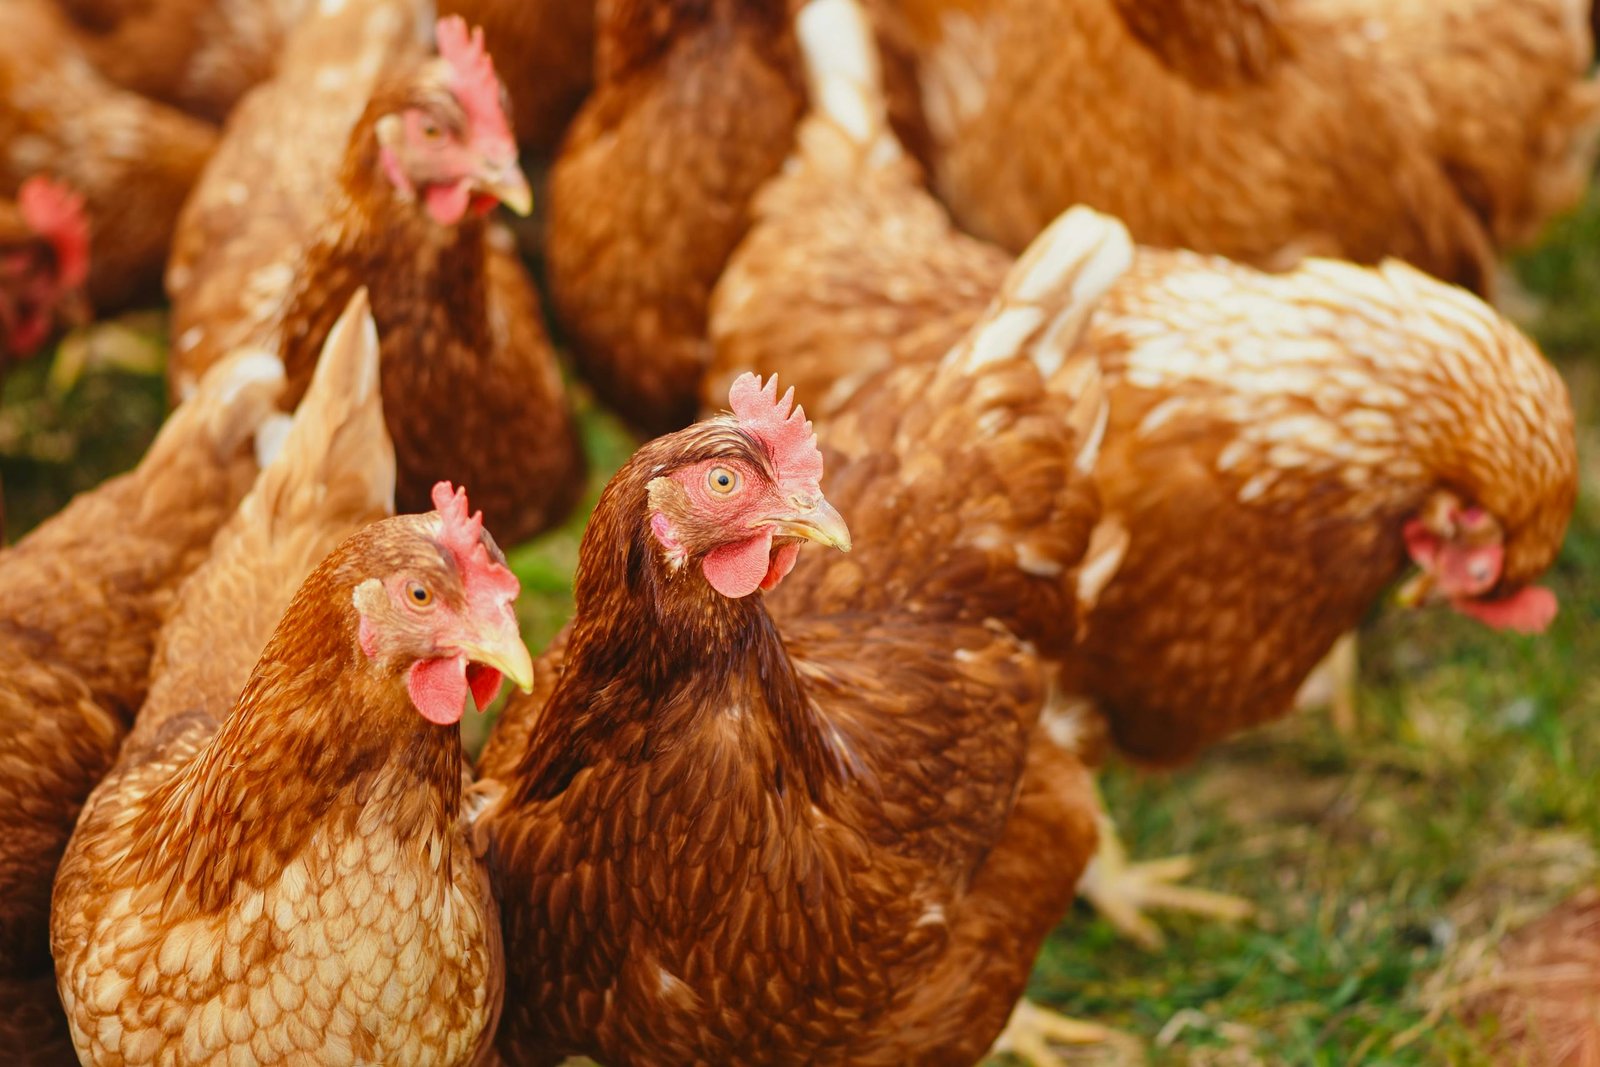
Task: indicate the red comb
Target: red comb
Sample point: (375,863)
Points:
(787,434)
(473,81)
(56,213)
(487,581)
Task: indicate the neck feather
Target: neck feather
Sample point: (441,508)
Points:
(655,653)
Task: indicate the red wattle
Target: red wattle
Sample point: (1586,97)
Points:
(1529,610)
(438,688)
(485,683)
(738,570)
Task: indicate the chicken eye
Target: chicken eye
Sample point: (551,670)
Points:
(722,480)
(418,594)
(430,129)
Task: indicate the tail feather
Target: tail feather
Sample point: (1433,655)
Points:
(331,473)
(1042,309)
(849,118)
(335,456)
(233,403)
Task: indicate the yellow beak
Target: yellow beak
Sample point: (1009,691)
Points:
(813,519)
(505,652)
(507,184)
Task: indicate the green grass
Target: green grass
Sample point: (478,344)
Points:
(1382,863)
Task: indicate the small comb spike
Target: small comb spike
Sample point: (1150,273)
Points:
(57,214)
(786,434)
(474,83)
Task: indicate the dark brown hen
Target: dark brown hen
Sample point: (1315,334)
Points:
(809,824)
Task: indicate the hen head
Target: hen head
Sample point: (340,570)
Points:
(1460,550)
(441,612)
(44,268)
(746,491)
(447,139)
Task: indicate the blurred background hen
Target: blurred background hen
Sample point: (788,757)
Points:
(1150,344)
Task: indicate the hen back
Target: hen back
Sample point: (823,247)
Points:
(84,597)
(132,159)
(693,109)
(197,55)
(1433,132)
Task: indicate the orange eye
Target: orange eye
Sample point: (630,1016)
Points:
(430,130)
(722,480)
(418,594)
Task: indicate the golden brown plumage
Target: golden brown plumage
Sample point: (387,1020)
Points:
(544,49)
(786,827)
(693,108)
(78,619)
(274,242)
(279,865)
(133,160)
(198,55)
(1241,127)
(332,475)
(1539,1004)
(1270,435)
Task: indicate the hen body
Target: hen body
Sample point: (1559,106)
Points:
(1241,128)
(810,827)
(1270,435)
(693,109)
(329,905)
(132,159)
(273,243)
(78,623)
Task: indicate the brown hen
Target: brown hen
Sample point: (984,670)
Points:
(694,108)
(84,596)
(278,866)
(808,825)
(1278,445)
(133,160)
(399,156)
(1245,127)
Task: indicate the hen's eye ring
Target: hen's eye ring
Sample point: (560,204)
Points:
(722,480)
(418,594)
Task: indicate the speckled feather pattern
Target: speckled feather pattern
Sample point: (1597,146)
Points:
(694,109)
(1238,127)
(77,625)
(805,844)
(133,160)
(1240,493)
(271,246)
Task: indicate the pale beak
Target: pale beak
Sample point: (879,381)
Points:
(813,519)
(504,651)
(1416,590)
(507,184)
